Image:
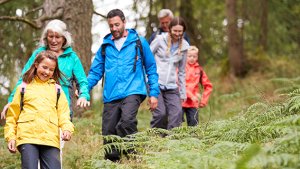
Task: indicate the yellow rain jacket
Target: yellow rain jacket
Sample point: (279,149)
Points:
(40,120)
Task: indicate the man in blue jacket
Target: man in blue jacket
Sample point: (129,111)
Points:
(124,65)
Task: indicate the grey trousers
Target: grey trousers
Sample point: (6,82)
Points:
(31,153)
(168,113)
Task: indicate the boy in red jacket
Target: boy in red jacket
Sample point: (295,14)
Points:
(195,75)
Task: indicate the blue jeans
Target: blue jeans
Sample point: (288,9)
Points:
(32,153)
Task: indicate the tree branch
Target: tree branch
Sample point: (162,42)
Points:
(3,1)
(58,14)
(34,10)
(25,20)
(99,14)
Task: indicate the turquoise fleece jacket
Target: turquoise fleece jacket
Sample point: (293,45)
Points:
(70,65)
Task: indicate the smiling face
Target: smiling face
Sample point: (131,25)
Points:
(116,26)
(45,69)
(176,32)
(55,41)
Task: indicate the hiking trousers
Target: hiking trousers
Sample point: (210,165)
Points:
(48,156)
(119,118)
(191,115)
(168,113)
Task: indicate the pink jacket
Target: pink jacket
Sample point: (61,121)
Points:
(195,75)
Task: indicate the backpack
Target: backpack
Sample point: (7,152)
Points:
(23,89)
(138,46)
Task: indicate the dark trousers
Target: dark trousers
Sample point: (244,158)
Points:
(168,113)
(32,153)
(119,118)
(191,116)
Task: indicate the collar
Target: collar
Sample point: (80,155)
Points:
(125,34)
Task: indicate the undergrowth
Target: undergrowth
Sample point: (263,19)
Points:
(251,123)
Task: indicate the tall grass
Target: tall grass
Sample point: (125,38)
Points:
(249,123)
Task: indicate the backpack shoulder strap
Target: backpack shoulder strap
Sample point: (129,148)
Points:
(140,47)
(22,91)
(103,47)
(58,90)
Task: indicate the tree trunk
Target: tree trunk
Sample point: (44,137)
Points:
(235,50)
(263,25)
(187,13)
(77,14)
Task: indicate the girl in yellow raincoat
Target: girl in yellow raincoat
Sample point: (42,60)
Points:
(33,123)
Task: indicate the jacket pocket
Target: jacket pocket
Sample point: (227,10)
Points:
(25,117)
(53,120)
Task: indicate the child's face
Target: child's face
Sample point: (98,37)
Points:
(192,57)
(45,69)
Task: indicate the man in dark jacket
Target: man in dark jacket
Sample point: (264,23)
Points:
(165,16)
(124,64)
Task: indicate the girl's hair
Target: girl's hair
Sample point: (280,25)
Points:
(61,28)
(176,21)
(31,72)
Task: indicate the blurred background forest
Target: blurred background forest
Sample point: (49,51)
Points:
(249,49)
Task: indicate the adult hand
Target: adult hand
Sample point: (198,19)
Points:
(12,146)
(66,135)
(152,102)
(82,102)
(4,111)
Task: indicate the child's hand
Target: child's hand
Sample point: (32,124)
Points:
(12,146)
(201,105)
(66,135)
(4,111)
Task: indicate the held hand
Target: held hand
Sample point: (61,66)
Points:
(4,111)
(152,102)
(66,135)
(12,146)
(76,93)
(82,102)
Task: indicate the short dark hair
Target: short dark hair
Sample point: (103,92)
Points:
(116,12)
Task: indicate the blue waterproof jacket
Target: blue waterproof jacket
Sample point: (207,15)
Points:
(120,78)
(70,65)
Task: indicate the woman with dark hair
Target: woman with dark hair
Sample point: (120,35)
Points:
(170,50)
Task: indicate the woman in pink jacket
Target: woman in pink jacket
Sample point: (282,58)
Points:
(195,75)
